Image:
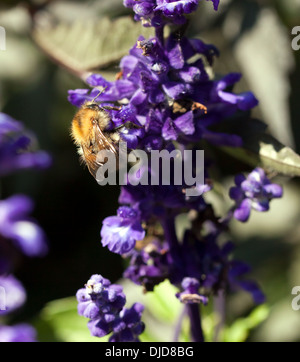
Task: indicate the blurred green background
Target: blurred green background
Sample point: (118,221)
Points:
(254,37)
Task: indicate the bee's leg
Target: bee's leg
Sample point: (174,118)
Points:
(131,125)
(119,127)
(127,125)
(111,108)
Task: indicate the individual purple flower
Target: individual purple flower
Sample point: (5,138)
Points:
(254,192)
(103,303)
(128,326)
(12,294)
(15,144)
(19,228)
(150,265)
(120,233)
(243,101)
(17,333)
(236,271)
(190,293)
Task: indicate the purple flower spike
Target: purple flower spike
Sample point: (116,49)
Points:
(14,148)
(103,303)
(16,226)
(254,192)
(120,233)
(17,333)
(99,298)
(15,295)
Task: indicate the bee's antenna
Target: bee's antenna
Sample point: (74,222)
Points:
(100,92)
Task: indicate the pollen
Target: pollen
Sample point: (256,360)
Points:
(200,106)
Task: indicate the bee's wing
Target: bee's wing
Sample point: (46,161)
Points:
(102,141)
(90,153)
(91,160)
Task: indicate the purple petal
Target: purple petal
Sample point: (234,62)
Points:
(168,131)
(274,190)
(18,333)
(96,80)
(253,288)
(98,328)
(261,204)
(8,124)
(14,224)
(127,212)
(143,9)
(235,193)
(178,7)
(175,54)
(78,97)
(29,237)
(185,123)
(189,74)
(174,90)
(215,3)
(15,294)
(239,178)
(242,212)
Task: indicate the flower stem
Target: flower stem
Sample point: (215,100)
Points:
(219,307)
(159,34)
(171,237)
(192,310)
(179,324)
(195,319)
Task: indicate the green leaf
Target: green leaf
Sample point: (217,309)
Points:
(162,310)
(60,322)
(87,44)
(264,67)
(261,148)
(239,330)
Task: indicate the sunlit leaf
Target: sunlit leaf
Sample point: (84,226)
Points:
(239,330)
(87,44)
(162,310)
(59,321)
(265,64)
